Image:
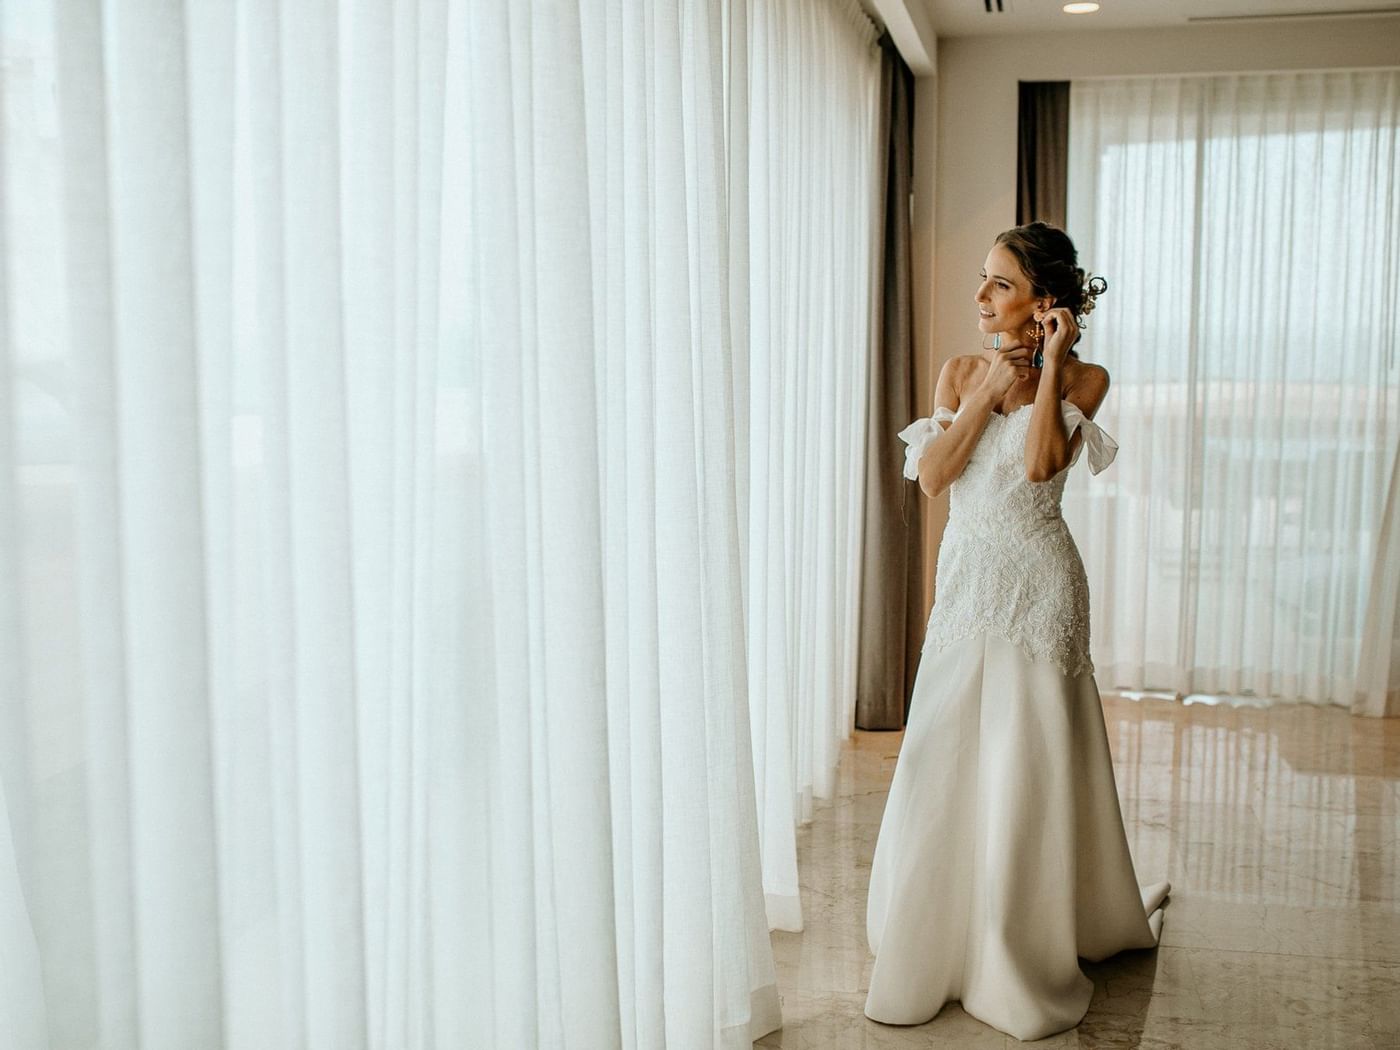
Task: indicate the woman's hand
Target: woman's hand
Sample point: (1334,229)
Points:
(1061,330)
(1006,369)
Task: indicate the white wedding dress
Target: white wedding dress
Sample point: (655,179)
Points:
(1002,857)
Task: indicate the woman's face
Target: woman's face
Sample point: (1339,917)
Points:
(1005,301)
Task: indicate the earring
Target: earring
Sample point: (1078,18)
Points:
(1037,330)
(996,342)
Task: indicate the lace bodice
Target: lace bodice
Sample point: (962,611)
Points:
(1008,563)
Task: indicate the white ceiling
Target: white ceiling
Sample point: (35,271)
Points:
(970,17)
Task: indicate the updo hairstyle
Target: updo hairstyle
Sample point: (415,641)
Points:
(1047,256)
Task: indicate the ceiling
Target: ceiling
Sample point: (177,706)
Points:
(970,17)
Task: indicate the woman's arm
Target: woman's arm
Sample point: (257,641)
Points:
(1049,448)
(947,457)
(1048,451)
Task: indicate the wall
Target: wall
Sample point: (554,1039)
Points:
(965,146)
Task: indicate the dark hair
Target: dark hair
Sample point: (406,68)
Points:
(1047,256)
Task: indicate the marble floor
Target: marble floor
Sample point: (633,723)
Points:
(1279,828)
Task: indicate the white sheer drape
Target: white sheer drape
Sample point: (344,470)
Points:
(813,195)
(394,522)
(1248,226)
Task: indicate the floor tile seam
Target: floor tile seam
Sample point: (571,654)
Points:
(1280,955)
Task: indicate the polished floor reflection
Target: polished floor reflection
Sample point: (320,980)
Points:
(1279,828)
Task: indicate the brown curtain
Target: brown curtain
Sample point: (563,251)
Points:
(891,599)
(1042,152)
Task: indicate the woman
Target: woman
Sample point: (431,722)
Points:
(1002,857)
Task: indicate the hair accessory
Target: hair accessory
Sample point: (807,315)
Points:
(1095,286)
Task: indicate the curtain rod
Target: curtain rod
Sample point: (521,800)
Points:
(1225,73)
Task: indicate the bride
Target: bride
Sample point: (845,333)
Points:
(1001,858)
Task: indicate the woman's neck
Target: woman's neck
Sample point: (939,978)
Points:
(1012,339)
(1011,342)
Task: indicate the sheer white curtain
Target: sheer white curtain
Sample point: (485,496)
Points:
(815,77)
(374,510)
(1248,227)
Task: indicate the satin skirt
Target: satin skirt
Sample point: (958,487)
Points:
(1002,858)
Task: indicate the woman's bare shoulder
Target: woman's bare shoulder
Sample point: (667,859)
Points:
(1086,386)
(963,367)
(953,378)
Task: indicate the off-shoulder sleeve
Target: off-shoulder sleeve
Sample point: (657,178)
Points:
(919,434)
(1102,448)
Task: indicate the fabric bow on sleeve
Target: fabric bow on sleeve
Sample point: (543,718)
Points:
(1102,448)
(918,435)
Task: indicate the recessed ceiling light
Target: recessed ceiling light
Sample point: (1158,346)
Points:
(1080,9)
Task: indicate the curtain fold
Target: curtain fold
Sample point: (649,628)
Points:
(432,457)
(1042,151)
(1248,228)
(1376,690)
(814,82)
(891,601)
(375,671)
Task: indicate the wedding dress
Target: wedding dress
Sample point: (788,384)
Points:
(1001,857)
